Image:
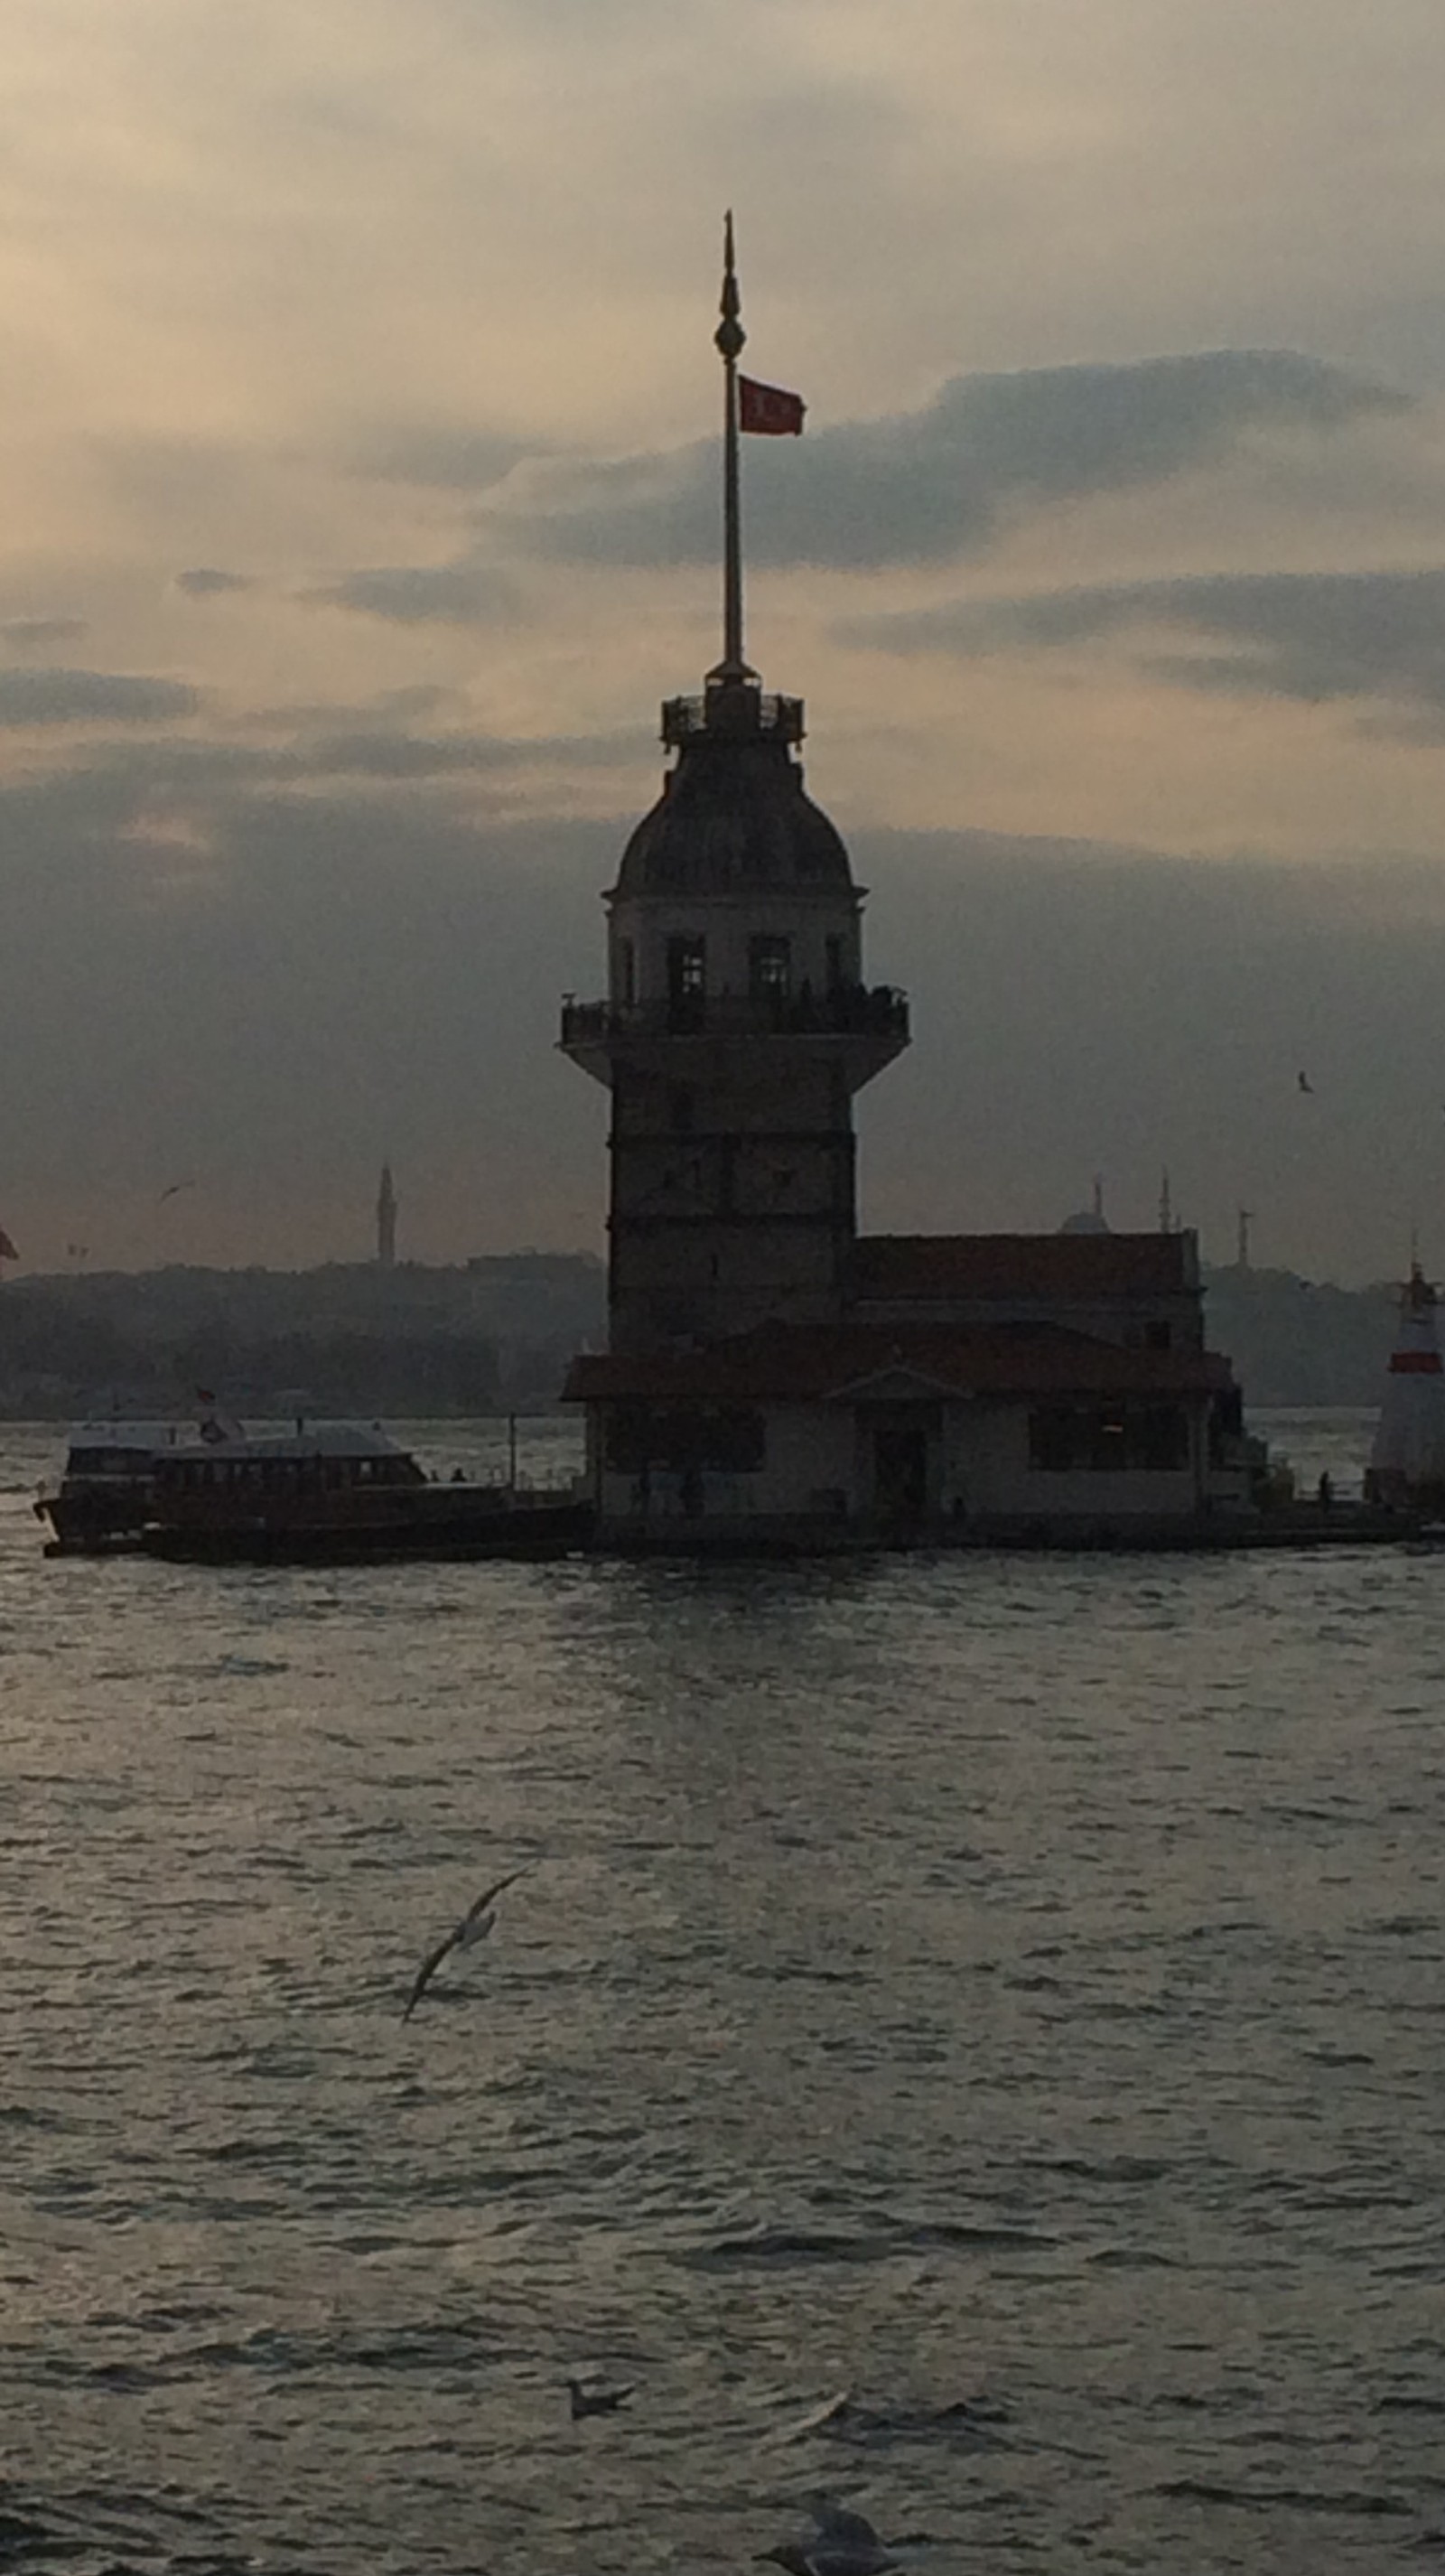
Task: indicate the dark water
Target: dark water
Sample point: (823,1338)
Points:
(1007,1992)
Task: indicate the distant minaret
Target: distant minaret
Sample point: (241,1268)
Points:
(386,1222)
(1241,1251)
(1166,1205)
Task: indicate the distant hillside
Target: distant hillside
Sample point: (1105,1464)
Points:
(496,1335)
(493,1336)
(1295,1341)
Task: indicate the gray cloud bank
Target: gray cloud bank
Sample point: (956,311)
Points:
(1310,636)
(342,965)
(449,459)
(209,581)
(936,483)
(33,634)
(343,745)
(452,594)
(60,697)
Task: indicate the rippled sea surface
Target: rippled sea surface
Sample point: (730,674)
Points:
(1004,1996)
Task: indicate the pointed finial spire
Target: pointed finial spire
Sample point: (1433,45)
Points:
(729,338)
(730,335)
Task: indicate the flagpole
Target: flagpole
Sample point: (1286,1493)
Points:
(729,338)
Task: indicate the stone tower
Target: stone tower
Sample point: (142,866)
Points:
(737,1025)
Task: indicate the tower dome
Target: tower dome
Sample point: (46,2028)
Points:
(733,817)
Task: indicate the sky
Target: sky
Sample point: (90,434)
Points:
(360,447)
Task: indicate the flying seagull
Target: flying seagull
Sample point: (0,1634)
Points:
(813,2422)
(595,2401)
(1305,1083)
(839,2544)
(475,1924)
(173,1191)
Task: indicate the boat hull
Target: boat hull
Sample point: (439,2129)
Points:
(430,1522)
(87,1522)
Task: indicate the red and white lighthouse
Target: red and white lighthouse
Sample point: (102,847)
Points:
(1407,1462)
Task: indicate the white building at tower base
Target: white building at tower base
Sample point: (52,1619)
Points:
(990,1389)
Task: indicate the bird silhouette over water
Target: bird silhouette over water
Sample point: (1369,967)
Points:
(1304,1082)
(839,2543)
(594,2401)
(474,1926)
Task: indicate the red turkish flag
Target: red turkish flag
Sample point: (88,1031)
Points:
(768,412)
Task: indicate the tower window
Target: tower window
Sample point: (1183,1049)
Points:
(833,962)
(628,963)
(681,1108)
(770,969)
(686,981)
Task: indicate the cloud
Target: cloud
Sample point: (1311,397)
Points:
(1310,636)
(1081,1007)
(58,697)
(451,594)
(935,483)
(402,977)
(389,755)
(32,634)
(202,776)
(206,582)
(445,457)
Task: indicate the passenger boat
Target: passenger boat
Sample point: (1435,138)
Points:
(107,1486)
(329,1491)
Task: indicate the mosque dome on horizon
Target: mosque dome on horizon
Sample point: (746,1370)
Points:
(1090,1220)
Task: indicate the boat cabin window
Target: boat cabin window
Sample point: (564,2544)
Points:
(310,1473)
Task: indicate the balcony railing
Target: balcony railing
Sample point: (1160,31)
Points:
(849,1010)
(737,714)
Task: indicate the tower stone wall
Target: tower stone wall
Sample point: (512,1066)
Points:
(736,1029)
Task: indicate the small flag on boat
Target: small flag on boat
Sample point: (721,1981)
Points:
(767,412)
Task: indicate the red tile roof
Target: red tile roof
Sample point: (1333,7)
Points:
(811,1364)
(935,1267)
